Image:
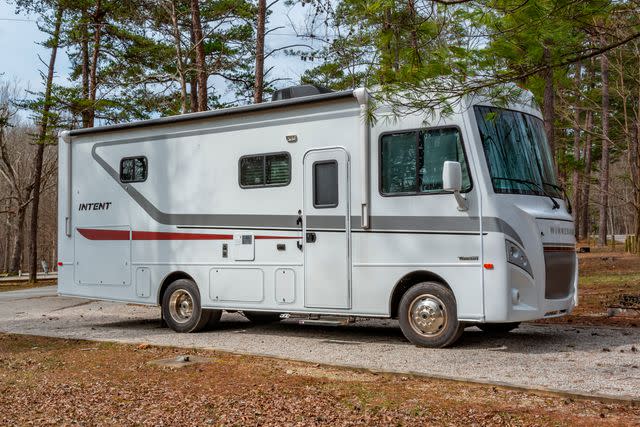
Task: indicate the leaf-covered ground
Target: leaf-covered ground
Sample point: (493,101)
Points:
(608,279)
(17,286)
(46,381)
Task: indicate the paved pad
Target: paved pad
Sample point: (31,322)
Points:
(584,360)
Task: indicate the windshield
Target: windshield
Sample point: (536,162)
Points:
(517,152)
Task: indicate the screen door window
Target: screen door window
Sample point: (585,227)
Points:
(325,184)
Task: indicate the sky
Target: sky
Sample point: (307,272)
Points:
(20,38)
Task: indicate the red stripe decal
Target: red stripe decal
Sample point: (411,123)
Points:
(158,235)
(97,234)
(93,234)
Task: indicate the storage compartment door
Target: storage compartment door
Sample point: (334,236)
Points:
(103,255)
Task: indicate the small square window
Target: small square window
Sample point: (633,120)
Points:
(133,169)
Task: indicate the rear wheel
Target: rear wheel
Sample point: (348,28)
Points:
(498,328)
(428,315)
(261,317)
(181,307)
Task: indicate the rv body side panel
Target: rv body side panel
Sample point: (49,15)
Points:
(190,213)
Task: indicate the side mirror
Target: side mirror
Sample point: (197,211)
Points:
(452,181)
(451,176)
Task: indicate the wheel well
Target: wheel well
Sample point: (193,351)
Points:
(408,281)
(169,279)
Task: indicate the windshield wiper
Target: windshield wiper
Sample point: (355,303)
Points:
(556,205)
(564,193)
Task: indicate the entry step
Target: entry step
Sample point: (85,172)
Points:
(327,321)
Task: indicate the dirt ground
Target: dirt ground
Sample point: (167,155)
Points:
(46,381)
(609,280)
(17,286)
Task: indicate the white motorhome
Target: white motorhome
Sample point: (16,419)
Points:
(301,207)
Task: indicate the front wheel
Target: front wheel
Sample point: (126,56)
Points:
(428,315)
(181,307)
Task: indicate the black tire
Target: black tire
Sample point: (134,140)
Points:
(181,307)
(214,319)
(261,317)
(428,315)
(498,328)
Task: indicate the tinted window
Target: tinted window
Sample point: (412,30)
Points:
(264,170)
(252,171)
(517,152)
(325,184)
(411,162)
(133,169)
(277,169)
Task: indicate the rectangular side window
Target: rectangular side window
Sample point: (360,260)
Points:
(411,162)
(133,169)
(325,184)
(252,171)
(265,170)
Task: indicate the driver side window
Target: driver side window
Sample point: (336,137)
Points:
(411,162)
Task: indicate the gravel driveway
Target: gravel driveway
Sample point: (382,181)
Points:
(582,360)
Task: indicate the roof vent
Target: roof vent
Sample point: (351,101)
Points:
(298,91)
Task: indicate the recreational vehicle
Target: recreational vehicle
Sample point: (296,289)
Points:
(303,207)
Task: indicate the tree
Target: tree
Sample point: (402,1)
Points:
(260,33)
(42,139)
(201,70)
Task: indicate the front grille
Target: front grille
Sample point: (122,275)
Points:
(560,266)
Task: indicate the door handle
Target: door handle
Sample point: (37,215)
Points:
(311,237)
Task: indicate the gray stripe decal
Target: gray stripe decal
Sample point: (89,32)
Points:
(440,224)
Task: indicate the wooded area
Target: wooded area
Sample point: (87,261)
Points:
(133,60)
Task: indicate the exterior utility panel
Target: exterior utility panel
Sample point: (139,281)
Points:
(301,207)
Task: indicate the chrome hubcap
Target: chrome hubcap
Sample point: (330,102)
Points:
(181,306)
(427,315)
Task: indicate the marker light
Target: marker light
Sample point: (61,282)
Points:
(488,266)
(516,256)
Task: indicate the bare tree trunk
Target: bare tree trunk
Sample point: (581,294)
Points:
(42,138)
(86,117)
(7,242)
(411,6)
(586,181)
(635,141)
(549,102)
(193,78)
(604,162)
(18,242)
(576,151)
(179,59)
(201,70)
(258,87)
(93,77)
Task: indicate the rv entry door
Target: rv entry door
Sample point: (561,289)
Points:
(327,229)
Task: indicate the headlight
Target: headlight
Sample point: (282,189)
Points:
(516,256)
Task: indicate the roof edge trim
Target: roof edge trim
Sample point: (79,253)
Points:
(215,113)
